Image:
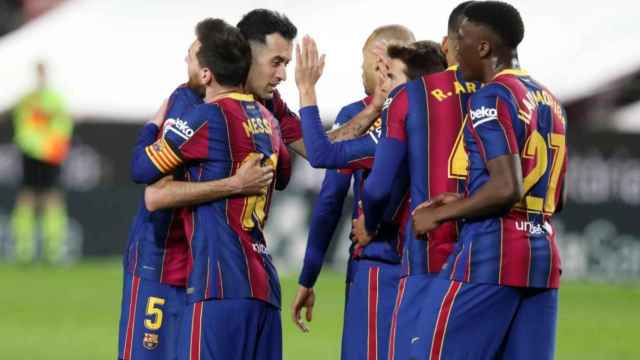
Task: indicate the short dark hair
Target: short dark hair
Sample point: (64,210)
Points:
(224,51)
(420,57)
(502,18)
(456,17)
(258,23)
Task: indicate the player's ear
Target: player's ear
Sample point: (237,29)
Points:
(484,49)
(206,76)
(445,44)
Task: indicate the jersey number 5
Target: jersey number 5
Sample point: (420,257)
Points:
(154,310)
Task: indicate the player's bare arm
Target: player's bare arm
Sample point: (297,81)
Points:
(252,178)
(362,122)
(298,147)
(309,68)
(503,190)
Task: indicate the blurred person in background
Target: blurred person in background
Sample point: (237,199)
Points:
(42,133)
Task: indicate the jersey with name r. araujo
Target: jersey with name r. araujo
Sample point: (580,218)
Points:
(424,130)
(514,115)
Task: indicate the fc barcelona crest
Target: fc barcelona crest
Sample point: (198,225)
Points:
(150,341)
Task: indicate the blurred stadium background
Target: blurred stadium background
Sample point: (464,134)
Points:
(114,61)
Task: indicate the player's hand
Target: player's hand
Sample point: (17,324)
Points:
(253,178)
(383,80)
(439,200)
(158,118)
(360,233)
(425,220)
(309,65)
(305,298)
(381,91)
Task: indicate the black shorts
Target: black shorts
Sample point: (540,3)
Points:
(39,175)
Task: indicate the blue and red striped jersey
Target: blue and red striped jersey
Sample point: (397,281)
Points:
(514,114)
(157,248)
(356,156)
(229,253)
(424,119)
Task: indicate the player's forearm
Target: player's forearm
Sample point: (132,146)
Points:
(320,235)
(321,153)
(307,96)
(324,220)
(499,194)
(168,193)
(143,171)
(378,186)
(356,126)
(299,148)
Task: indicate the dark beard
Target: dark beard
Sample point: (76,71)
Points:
(198,88)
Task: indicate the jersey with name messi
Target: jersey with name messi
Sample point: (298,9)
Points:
(387,244)
(514,114)
(230,257)
(157,247)
(427,115)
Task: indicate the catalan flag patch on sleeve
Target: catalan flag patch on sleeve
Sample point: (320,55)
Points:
(163,156)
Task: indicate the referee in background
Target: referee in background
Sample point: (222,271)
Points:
(42,134)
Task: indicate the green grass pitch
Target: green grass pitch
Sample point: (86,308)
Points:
(72,313)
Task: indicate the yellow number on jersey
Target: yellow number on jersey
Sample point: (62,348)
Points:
(154,309)
(458,159)
(536,148)
(558,143)
(254,207)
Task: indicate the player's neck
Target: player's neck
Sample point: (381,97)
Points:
(500,63)
(215,92)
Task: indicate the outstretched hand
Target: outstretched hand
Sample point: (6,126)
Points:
(309,64)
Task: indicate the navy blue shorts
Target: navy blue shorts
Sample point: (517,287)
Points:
(370,302)
(411,294)
(150,317)
(486,321)
(231,329)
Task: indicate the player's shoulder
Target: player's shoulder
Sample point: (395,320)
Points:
(358,104)
(397,97)
(491,91)
(185,95)
(538,86)
(352,109)
(202,112)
